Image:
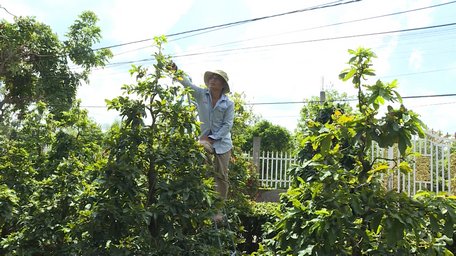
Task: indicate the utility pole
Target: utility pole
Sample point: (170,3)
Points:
(322,91)
(256,153)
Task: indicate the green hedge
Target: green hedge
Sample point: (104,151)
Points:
(253,223)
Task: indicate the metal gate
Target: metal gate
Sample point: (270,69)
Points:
(431,166)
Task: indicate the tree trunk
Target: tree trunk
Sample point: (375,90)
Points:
(151,198)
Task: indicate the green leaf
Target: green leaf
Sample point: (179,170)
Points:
(307,251)
(349,75)
(404,167)
(433,222)
(394,232)
(326,144)
(375,223)
(448,228)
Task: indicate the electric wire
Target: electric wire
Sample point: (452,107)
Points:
(419,73)
(150,46)
(346,100)
(318,101)
(6,10)
(296,42)
(338,23)
(220,26)
(318,40)
(257,47)
(312,28)
(216,27)
(235,23)
(276,15)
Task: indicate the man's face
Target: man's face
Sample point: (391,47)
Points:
(216,83)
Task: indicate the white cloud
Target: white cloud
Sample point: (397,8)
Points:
(421,18)
(16,8)
(294,72)
(128,21)
(416,59)
(291,72)
(141,19)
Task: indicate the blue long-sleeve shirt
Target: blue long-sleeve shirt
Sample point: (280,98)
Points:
(217,121)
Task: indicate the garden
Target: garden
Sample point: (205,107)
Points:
(142,187)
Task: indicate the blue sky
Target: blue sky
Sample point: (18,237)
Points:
(423,61)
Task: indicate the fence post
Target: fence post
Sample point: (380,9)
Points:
(391,166)
(322,97)
(256,153)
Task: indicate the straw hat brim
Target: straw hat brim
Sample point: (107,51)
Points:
(221,73)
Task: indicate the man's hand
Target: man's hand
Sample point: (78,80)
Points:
(171,66)
(206,138)
(207,144)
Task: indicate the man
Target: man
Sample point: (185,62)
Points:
(216,114)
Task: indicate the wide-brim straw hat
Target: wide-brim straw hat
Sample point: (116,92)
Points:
(221,73)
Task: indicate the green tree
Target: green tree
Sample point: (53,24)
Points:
(51,151)
(50,169)
(35,64)
(244,118)
(159,197)
(337,204)
(273,137)
(243,175)
(310,110)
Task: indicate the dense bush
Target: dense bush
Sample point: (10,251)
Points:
(254,223)
(141,188)
(337,204)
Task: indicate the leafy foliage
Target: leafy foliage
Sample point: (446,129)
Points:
(34,63)
(338,204)
(52,168)
(273,137)
(243,174)
(312,110)
(157,171)
(142,188)
(254,219)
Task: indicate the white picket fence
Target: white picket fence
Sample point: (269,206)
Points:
(274,167)
(434,155)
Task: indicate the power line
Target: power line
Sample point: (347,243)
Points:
(236,23)
(293,102)
(379,77)
(323,6)
(151,59)
(218,27)
(430,96)
(149,46)
(341,23)
(421,72)
(226,25)
(318,101)
(227,51)
(435,104)
(321,39)
(317,40)
(312,28)
(294,42)
(417,106)
(1,7)
(200,33)
(346,100)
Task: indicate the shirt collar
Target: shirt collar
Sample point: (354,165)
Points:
(224,97)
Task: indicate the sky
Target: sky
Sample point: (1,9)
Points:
(287,58)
